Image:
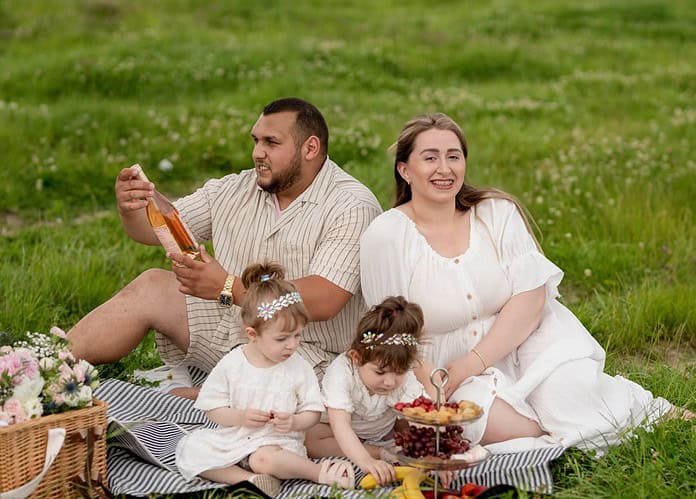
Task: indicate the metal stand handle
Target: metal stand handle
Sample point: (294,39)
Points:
(439,383)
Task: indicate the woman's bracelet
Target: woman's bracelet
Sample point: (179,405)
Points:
(480,358)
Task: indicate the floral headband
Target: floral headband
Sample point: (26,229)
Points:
(266,310)
(371,339)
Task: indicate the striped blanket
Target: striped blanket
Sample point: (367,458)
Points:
(145,426)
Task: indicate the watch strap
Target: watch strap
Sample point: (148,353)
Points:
(226,297)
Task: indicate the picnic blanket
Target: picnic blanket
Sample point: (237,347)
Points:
(145,426)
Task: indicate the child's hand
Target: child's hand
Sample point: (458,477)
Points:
(445,477)
(282,422)
(255,418)
(383,472)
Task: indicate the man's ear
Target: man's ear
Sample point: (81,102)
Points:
(311,148)
(251,333)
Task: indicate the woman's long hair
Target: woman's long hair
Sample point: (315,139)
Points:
(468,195)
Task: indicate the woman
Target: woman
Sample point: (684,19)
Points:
(468,258)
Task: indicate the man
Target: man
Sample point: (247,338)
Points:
(296,207)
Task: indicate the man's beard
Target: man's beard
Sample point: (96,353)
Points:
(286,179)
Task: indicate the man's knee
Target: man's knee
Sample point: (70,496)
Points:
(149,280)
(150,290)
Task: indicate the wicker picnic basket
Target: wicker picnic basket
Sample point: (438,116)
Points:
(78,469)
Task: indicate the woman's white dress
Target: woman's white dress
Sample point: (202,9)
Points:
(555,377)
(372,415)
(290,386)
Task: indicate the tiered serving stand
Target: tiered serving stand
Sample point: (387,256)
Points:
(434,463)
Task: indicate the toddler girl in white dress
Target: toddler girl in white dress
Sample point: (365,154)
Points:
(362,385)
(264,396)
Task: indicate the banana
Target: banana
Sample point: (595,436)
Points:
(398,493)
(370,482)
(411,484)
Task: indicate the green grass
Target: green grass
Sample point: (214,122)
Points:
(584,110)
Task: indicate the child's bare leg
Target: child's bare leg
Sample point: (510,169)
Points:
(320,442)
(373,450)
(231,474)
(274,460)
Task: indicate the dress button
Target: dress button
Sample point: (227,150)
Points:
(493,392)
(475,333)
(474,317)
(468,296)
(456,260)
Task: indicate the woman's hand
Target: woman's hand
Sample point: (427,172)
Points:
(458,371)
(383,472)
(283,422)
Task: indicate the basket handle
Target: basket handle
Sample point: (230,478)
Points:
(56,437)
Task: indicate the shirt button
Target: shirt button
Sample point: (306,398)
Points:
(493,392)
(474,317)
(475,333)
(468,296)
(456,260)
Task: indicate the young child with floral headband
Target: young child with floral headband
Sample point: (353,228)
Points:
(362,385)
(263,396)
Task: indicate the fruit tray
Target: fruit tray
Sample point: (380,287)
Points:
(425,412)
(470,458)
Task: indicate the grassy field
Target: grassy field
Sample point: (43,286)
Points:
(584,110)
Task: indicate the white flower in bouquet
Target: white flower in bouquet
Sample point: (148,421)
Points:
(28,389)
(33,408)
(47,363)
(27,392)
(85,395)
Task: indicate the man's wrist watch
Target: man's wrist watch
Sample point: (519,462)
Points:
(226,298)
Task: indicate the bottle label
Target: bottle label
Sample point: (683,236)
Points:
(166,239)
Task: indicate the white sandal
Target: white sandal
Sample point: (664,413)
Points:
(268,484)
(339,473)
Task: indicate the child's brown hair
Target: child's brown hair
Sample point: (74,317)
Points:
(265,284)
(389,334)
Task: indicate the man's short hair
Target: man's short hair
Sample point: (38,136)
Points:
(308,121)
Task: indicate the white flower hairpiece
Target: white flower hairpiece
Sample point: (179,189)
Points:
(267,310)
(371,339)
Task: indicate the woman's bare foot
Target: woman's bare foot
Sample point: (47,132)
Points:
(681,413)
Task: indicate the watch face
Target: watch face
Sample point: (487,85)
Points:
(225,300)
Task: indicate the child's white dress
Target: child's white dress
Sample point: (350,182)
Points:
(372,416)
(290,386)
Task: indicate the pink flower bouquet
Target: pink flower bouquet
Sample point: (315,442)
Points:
(40,376)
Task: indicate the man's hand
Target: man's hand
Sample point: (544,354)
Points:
(282,422)
(203,279)
(131,193)
(255,418)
